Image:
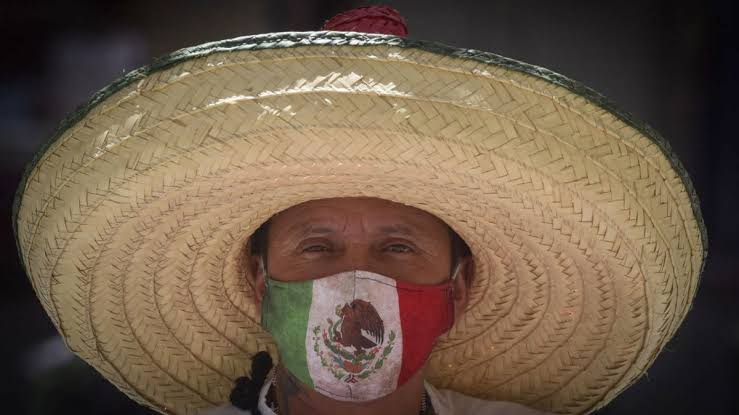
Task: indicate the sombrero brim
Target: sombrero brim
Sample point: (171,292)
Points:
(132,222)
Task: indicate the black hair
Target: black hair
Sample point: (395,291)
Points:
(258,241)
(459,247)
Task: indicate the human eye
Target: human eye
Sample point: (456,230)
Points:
(315,248)
(399,248)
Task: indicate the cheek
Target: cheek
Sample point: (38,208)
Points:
(417,272)
(294,269)
(423,277)
(428,268)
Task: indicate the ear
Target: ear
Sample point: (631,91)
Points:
(461,285)
(257,275)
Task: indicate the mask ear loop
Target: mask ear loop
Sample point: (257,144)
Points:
(263,266)
(455,273)
(263,269)
(450,292)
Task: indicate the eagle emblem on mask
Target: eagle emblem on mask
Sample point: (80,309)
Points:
(353,346)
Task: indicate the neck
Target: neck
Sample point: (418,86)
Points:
(294,397)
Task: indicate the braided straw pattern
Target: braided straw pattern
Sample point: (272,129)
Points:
(132,224)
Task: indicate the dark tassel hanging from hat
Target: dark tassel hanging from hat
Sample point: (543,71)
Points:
(245,395)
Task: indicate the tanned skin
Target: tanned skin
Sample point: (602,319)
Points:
(327,236)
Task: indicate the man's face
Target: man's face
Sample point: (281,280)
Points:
(324,237)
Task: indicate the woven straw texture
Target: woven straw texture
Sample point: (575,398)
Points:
(132,222)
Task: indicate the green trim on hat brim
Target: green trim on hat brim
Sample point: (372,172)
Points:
(331,38)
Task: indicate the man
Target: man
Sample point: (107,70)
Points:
(360,149)
(324,237)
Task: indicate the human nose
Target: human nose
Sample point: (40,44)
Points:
(357,255)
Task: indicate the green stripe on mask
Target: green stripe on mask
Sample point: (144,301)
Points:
(285,311)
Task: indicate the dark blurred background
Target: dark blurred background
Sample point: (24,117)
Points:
(673,64)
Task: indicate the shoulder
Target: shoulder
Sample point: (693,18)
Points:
(226,409)
(447,402)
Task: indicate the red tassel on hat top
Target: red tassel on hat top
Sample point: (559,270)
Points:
(369,19)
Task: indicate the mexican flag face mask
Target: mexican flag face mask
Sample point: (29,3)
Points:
(356,335)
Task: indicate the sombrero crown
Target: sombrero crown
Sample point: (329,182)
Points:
(133,221)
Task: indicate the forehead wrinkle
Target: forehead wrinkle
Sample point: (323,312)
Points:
(341,219)
(397,229)
(298,231)
(309,228)
(415,232)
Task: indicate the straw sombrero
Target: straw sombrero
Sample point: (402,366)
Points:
(133,221)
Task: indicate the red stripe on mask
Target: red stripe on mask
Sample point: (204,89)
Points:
(426,312)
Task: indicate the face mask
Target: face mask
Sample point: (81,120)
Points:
(356,335)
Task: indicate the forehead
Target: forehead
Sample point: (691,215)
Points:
(353,213)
